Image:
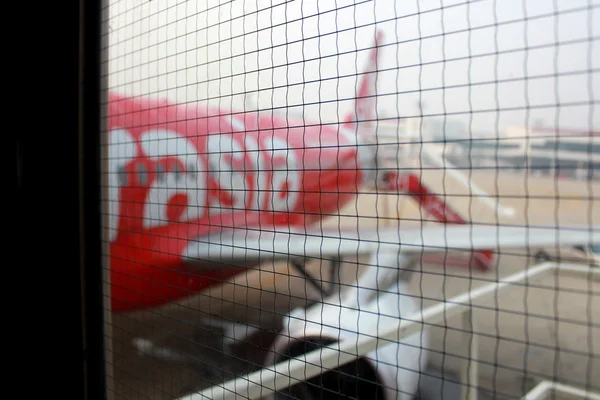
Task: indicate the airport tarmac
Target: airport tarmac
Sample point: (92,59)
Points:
(548,331)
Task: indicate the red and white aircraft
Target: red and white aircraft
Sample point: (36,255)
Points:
(199,194)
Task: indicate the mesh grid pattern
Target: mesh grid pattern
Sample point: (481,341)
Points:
(286,176)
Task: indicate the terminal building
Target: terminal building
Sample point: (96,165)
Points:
(539,151)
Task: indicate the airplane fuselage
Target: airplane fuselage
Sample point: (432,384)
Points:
(178,172)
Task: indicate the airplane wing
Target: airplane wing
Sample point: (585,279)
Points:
(245,246)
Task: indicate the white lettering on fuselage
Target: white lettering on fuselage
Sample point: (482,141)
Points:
(285,177)
(226,161)
(260,172)
(270,162)
(158,144)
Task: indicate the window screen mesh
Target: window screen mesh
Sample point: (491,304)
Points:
(336,199)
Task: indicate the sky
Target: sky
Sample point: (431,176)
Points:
(479,63)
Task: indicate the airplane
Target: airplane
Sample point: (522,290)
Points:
(199,194)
